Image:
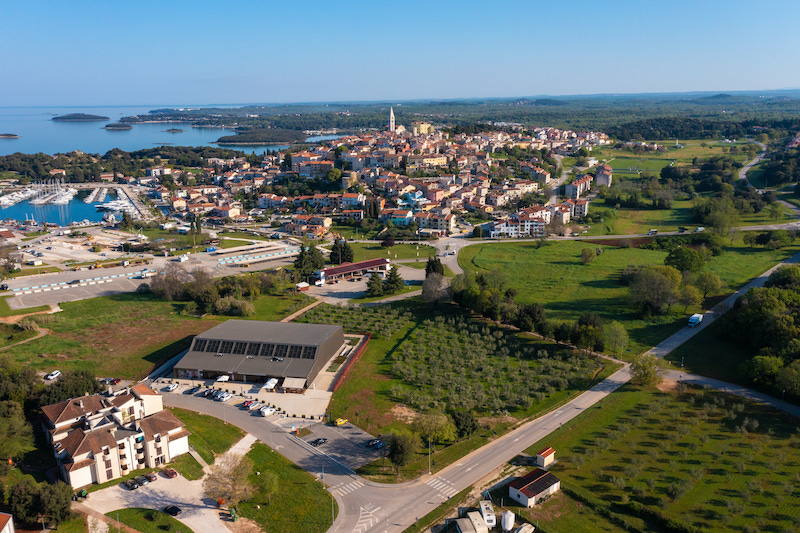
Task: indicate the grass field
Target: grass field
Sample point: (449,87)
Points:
(34,271)
(695,457)
(364,251)
(405,289)
(11,334)
(423,262)
(126,335)
(300,505)
(640,221)
(148,520)
(555,276)
(209,436)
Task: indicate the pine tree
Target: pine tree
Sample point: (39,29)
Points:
(374,285)
(315,258)
(347,253)
(434,266)
(336,252)
(393,282)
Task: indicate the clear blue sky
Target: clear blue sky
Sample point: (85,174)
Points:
(201,52)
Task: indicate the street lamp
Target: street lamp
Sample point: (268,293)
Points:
(782,393)
(429,455)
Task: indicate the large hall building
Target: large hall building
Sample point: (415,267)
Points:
(253,351)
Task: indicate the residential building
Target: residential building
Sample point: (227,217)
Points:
(603,175)
(579,187)
(100,437)
(6,523)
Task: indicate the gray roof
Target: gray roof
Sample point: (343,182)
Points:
(251,331)
(271,332)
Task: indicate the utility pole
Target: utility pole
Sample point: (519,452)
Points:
(429,455)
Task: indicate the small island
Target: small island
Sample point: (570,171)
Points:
(263,136)
(80,117)
(118,126)
(174,130)
(9,136)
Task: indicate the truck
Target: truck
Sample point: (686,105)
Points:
(653,232)
(211,249)
(695,320)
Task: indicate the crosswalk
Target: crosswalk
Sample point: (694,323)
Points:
(442,485)
(347,488)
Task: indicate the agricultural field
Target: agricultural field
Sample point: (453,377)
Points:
(702,459)
(392,382)
(555,276)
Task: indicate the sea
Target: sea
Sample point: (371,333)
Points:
(38,133)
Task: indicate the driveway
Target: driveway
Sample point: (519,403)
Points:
(199,513)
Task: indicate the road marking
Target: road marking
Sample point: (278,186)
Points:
(365,520)
(341,490)
(442,485)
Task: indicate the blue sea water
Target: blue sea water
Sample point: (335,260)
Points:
(39,133)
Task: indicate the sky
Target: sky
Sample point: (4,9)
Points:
(197,52)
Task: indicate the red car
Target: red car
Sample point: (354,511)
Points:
(114,381)
(151,476)
(170,472)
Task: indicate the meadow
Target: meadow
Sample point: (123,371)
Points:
(363,251)
(555,276)
(676,459)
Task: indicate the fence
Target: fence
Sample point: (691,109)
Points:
(355,357)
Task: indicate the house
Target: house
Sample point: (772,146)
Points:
(534,487)
(603,175)
(580,186)
(398,217)
(6,523)
(545,457)
(100,437)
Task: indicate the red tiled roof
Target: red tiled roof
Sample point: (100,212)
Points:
(354,267)
(547,452)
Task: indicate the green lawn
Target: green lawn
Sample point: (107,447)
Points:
(422,263)
(404,290)
(640,221)
(644,454)
(76,525)
(299,505)
(148,520)
(11,334)
(555,276)
(34,271)
(188,467)
(351,232)
(210,436)
(126,335)
(364,251)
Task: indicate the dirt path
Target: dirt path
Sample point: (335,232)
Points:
(40,333)
(301,311)
(54,308)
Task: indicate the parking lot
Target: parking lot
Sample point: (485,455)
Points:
(346,444)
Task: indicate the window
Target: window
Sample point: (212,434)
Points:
(158,451)
(212,346)
(122,446)
(106,451)
(267,349)
(309,352)
(226,346)
(239,348)
(294,351)
(109,473)
(130,411)
(200,345)
(253,348)
(108,464)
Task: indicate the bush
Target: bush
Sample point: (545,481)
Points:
(233,307)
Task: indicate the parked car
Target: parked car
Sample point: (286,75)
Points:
(247,404)
(224,397)
(371,443)
(266,411)
(170,472)
(53,375)
(172,510)
(151,476)
(74,281)
(4,287)
(131,484)
(209,392)
(171,387)
(340,421)
(254,406)
(378,445)
(113,381)
(141,480)
(193,390)
(318,442)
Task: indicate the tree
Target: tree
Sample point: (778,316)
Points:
(588,255)
(466,423)
(127,221)
(763,369)
(55,502)
(789,379)
(690,297)
(229,479)
(387,241)
(708,282)
(169,284)
(435,426)
(749,238)
(268,484)
(341,252)
(433,288)
(374,285)
(685,259)
(16,435)
(23,500)
(434,265)
(402,447)
(655,288)
(477,232)
(393,282)
(616,337)
(644,370)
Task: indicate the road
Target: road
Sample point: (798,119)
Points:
(743,171)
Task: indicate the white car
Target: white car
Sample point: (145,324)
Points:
(172,387)
(224,397)
(266,411)
(254,406)
(53,375)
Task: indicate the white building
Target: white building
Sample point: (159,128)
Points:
(534,487)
